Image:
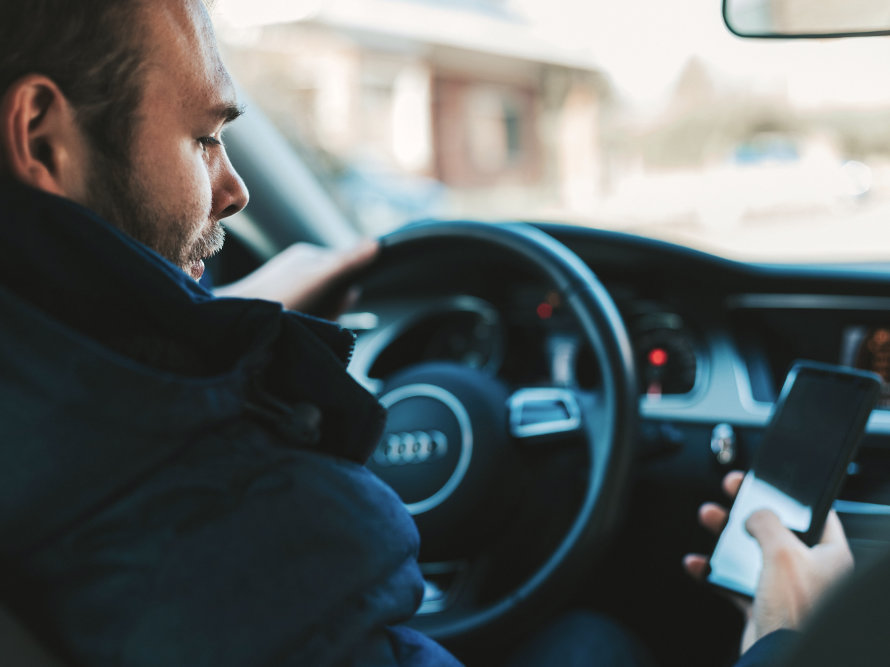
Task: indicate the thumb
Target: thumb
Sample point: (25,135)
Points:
(765,527)
(833,533)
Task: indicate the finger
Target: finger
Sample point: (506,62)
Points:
(731,483)
(696,566)
(833,533)
(713,517)
(301,252)
(325,290)
(341,264)
(765,527)
(361,254)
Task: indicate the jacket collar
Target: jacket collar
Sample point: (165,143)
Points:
(84,272)
(115,360)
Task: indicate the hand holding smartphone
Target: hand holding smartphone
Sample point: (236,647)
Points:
(818,422)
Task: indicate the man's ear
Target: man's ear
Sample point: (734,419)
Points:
(41,143)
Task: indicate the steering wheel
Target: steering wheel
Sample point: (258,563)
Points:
(452,432)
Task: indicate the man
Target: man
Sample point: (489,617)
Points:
(182,475)
(182,478)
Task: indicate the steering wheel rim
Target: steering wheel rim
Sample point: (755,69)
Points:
(609,444)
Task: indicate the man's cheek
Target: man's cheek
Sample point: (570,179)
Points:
(197,194)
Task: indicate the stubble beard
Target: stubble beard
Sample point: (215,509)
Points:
(116,194)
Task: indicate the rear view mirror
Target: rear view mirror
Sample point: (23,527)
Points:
(807,18)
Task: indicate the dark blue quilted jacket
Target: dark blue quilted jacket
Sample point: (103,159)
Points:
(181,478)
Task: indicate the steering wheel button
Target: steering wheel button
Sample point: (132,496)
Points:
(543,412)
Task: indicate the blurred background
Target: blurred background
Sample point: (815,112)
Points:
(639,115)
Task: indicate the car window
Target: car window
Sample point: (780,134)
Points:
(643,116)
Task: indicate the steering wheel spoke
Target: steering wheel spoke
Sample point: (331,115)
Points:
(539,414)
(442,584)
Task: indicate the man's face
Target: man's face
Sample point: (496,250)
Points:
(178,182)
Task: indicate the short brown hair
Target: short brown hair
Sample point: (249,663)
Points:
(91,49)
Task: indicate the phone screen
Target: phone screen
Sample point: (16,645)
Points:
(819,420)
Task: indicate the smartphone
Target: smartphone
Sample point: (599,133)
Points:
(819,419)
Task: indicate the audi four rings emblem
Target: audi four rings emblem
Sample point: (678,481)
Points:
(396,449)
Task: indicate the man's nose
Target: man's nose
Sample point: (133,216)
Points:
(229,192)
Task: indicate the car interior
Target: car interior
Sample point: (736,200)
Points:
(606,380)
(702,340)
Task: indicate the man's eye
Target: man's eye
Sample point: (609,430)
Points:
(209,141)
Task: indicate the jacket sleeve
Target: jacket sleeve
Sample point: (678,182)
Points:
(400,646)
(242,554)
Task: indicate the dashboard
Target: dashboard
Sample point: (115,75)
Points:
(529,338)
(712,341)
(712,338)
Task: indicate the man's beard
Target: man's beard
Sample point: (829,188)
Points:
(114,192)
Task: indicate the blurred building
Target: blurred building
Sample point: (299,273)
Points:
(463,93)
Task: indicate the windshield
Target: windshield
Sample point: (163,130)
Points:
(640,115)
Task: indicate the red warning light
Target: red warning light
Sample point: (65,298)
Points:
(658,356)
(545,311)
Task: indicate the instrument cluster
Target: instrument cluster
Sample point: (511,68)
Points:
(530,338)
